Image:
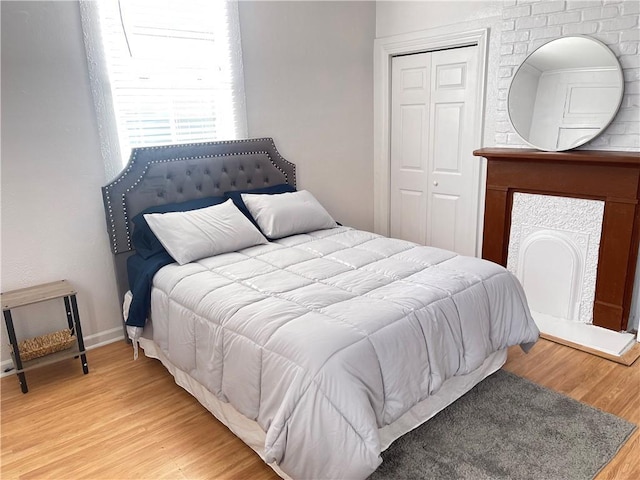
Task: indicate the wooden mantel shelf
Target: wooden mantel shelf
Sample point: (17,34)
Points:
(612,177)
(594,157)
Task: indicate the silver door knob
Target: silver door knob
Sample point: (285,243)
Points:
(435,184)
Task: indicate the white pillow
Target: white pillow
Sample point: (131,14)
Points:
(285,214)
(192,235)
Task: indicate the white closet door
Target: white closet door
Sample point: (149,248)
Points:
(434,175)
(410,98)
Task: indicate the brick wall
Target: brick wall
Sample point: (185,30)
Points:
(527,24)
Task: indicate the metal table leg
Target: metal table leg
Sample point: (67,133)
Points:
(67,308)
(76,319)
(16,351)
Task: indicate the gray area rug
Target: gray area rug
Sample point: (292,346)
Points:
(508,428)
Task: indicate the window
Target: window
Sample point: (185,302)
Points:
(164,72)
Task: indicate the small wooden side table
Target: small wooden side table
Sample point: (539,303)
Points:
(40,293)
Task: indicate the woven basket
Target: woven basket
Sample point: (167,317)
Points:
(45,344)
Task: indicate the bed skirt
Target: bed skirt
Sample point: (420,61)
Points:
(250,432)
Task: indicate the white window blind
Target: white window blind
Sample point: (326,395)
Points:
(173,70)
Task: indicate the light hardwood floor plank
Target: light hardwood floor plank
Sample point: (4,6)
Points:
(128,419)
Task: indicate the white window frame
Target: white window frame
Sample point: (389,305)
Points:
(115,160)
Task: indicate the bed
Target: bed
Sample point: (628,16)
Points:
(317,348)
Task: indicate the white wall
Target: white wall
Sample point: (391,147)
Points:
(394,17)
(516,28)
(308,70)
(53,223)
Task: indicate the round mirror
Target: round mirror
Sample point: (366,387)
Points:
(565,93)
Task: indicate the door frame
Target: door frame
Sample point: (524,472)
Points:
(405,44)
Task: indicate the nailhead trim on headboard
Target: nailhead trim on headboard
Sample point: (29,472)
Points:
(135,172)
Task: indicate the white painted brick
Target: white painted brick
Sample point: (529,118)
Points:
(631,101)
(601,141)
(633,127)
(546,32)
(506,49)
(514,12)
(608,38)
(612,11)
(631,114)
(626,140)
(579,4)
(501,139)
(562,18)
(631,74)
(512,37)
(600,13)
(630,35)
(508,25)
(548,7)
(628,48)
(630,7)
(618,24)
(502,117)
(531,22)
(579,28)
(505,72)
(503,127)
(520,47)
(504,82)
(509,3)
(514,60)
(632,88)
(614,2)
(503,93)
(629,61)
(616,128)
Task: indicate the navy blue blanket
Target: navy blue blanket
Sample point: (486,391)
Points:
(140,272)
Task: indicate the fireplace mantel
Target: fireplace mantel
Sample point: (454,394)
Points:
(613,177)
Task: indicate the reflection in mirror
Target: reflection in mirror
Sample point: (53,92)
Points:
(565,93)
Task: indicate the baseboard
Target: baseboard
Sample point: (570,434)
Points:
(90,342)
(103,338)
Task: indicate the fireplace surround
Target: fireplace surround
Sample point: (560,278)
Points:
(613,177)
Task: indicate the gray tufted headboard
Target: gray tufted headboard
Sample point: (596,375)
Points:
(177,173)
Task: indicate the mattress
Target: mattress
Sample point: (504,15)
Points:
(327,341)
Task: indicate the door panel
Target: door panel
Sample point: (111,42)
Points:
(413,121)
(451,75)
(410,85)
(431,151)
(447,123)
(412,205)
(443,226)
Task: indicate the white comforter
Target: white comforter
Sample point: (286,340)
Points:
(324,338)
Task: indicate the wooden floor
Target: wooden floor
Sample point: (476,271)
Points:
(128,419)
